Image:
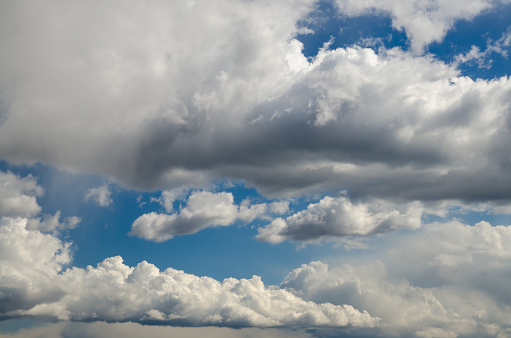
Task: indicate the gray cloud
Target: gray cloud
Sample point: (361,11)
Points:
(339,217)
(242,102)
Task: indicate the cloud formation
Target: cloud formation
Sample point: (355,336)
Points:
(445,280)
(18,196)
(243,102)
(100,195)
(339,217)
(203,209)
(176,95)
(34,283)
(442,286)
(423,21)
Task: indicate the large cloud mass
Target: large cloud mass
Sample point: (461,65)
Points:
(177,96)
(234,97)
(446,280)
(32,283)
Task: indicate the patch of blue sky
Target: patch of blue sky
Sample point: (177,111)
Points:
(482,32)
(217,252)
(327,25)
(375,30)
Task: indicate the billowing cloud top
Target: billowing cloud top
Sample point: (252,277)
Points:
(364,141)
(234,97)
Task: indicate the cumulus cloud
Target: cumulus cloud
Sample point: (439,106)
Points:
(243,102)
(30,262)
(18,196)
(203,209)
(338,217)
(446,279)
(452,281)
(33,284)
(100,195)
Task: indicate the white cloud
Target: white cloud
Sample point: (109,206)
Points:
(168,197)
(203,209)
(338,217)
(446,279)
(113,291)
(100,195)
(423,21)
(482,58)
(18,195)
(30,262)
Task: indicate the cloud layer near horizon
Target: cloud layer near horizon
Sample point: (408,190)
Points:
(34,283)
(443,286)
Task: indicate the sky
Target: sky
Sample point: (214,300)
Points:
(255,168)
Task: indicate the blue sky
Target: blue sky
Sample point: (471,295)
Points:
(272,169)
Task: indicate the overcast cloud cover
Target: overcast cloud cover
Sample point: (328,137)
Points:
(214,116)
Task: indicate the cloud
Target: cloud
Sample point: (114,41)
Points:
(339,217)
(482,58)
(52,223)
(18,196)
(100,195)
(446,279)
(34,284)
(203,209)
(31,261)
(234,97)
(423,21)
(168,197)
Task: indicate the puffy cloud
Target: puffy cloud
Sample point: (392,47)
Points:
(446,279)
(18,195)
(168,197)
(203,209)
(18,198)
(338,217)
(30,262)
(234,97)
(151,80)
(424,21)
(100,195)
(32,285)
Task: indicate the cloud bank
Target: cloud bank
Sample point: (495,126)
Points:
(243,102)
(34,283)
